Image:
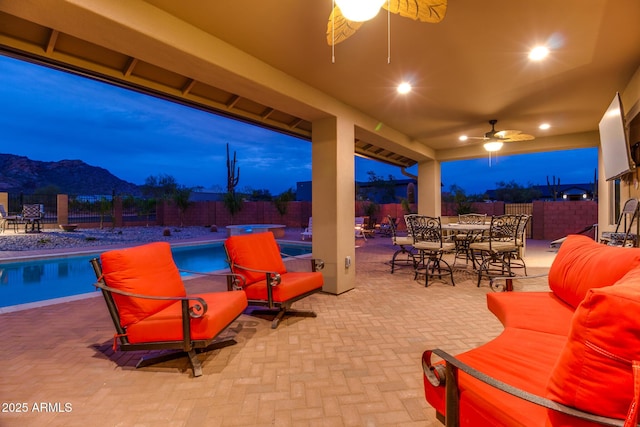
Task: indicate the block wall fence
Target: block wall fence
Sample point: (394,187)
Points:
(550,221)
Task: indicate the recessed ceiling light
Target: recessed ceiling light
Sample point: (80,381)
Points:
(544,126)
(463,138)
(538,53)
(404,87)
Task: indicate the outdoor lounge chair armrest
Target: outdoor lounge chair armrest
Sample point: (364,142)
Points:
(236,278)
(195,311)
(272,276)
(501,287)
(317,264)
(452,365)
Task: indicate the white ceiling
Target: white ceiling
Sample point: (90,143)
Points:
(466,70)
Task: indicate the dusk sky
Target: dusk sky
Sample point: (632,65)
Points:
(49,115)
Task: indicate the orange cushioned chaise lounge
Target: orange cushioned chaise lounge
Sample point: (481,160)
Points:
(565,358)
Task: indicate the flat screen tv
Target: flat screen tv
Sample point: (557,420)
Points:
(616,153)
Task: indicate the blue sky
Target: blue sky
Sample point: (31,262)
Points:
(49,115)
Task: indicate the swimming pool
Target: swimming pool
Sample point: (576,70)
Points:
(69,276)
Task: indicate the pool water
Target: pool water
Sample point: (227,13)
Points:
(49,278)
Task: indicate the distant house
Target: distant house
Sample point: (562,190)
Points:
(388,192)
(564,192)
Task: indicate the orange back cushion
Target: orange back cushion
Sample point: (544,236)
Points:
(258,251)
(582,264)
(147,270)
(594,372)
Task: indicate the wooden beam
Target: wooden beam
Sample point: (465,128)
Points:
(51,44)
(131,64)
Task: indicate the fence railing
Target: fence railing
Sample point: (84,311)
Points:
(49,201)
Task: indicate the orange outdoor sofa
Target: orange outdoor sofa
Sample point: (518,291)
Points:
(567,357)
(151,309)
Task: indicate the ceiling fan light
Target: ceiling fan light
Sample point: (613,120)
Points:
(359,10)
(538,53)
(493,146)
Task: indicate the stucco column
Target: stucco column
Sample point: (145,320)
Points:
(333,201)
(429,188)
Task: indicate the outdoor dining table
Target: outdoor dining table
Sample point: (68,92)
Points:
(469,233)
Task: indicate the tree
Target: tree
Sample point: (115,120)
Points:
(258,195)
(181,198)
(512,192)
(104,207)
(554,188)
(161,187)
(146,207)
(379,189)
(50,189)
(459,197)
(281,201)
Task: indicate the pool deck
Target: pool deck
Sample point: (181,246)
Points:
(356,364)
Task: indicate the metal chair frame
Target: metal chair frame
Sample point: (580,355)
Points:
(409,253)
(428,240)
(463,240)
(499,248)
(192,307)
(627,217)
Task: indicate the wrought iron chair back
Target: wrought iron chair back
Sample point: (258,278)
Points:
(407,221)
(403,243)
(427,239)
(504,228)
(32,211)
(500,248)
(472,218)
(392,228)
(426,229)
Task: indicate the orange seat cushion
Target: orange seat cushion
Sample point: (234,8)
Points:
(505,358)
(582,264)
(523,310)
(148,270)
(594,371)
(166,325)
(257,251)
(293,284)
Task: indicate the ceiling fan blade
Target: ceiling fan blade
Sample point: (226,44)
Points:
(343,27)
(432,11)
(507,133)
(520,137)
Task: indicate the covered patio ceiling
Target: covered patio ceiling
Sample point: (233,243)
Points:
(466,70)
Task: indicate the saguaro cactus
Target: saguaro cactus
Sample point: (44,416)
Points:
(233,174)
(554,188)
(231,199)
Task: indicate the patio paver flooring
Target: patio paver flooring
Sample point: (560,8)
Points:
(356,364)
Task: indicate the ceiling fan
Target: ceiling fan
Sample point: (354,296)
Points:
(340,28)
(494,139)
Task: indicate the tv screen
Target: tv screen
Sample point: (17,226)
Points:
(616,154)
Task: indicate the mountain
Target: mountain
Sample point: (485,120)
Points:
(74,177)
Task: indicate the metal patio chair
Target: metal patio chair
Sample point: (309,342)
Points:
(151,309)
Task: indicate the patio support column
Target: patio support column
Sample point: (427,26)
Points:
(429,188)
(333,201)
